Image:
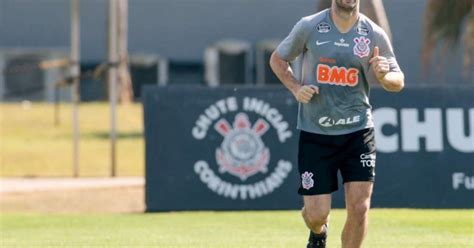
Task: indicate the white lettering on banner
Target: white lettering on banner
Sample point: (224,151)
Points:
(243,152)
(271,114)
(459,136)
(245,191)
(455,128)
(211,114)
(382,117)
(460,178)
(430,129)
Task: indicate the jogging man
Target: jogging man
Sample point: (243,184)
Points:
(343,53)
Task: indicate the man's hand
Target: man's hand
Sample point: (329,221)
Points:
(390,81)
(304,93)
(379,64)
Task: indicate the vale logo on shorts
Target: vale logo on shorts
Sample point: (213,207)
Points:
(242,132)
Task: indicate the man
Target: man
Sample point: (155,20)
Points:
(343,52)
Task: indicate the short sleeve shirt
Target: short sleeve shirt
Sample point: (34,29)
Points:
(338,63)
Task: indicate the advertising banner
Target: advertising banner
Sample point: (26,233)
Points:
(236,148)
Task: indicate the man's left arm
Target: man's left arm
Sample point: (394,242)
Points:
(385,66)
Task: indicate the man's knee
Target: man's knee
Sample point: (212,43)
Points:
(358,209)
(315,218)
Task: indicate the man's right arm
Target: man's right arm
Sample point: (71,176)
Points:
(282,69)
(290,48)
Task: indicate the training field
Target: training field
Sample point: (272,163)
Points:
(32,146)
(388,228)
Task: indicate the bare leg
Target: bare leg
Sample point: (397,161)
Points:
(316,211)
(357,196)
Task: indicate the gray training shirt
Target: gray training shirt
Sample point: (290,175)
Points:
(338,63)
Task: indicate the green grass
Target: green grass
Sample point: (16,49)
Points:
(31,145)
(388,228)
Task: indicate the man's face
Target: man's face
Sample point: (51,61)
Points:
(348,5)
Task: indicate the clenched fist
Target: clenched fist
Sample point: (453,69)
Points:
(304,93)
(380,64)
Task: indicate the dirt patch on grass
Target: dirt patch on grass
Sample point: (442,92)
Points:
(94,199)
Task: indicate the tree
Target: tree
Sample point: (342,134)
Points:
(118,51)
(444,21)
(124,79)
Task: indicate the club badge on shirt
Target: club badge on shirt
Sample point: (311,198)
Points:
(361,47)
(361,30)
(323,27)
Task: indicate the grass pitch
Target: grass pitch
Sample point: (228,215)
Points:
(32,145)
(397,228)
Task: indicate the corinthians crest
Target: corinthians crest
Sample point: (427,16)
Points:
(242,156)
(242,153)
(361,47)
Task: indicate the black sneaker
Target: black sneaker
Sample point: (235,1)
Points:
(317,240)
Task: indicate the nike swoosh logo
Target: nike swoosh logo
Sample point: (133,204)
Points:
(321,43)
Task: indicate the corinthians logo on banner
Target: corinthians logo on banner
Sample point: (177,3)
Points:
(242,153)
(242,166)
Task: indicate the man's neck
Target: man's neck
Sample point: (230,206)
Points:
(344,20)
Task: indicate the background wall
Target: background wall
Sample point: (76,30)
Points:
(181,29)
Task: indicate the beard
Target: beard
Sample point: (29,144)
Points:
(347,5)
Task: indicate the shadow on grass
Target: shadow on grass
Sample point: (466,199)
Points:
(120,135)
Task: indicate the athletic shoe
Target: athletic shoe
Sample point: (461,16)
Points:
(317,240)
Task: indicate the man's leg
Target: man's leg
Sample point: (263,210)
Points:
(317,159)
(357,195)
(316,211)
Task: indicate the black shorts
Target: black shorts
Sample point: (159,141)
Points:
(320,157)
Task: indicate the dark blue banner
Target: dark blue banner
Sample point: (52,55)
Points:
(236,148)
